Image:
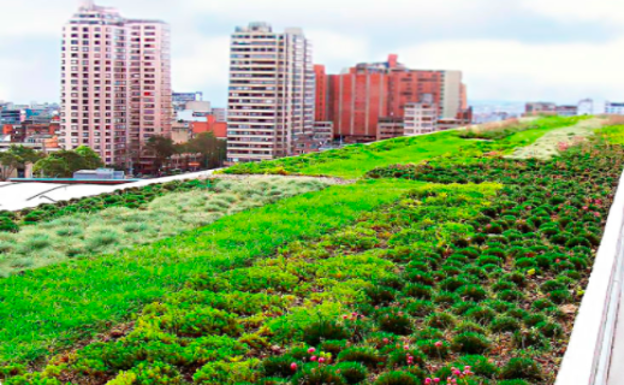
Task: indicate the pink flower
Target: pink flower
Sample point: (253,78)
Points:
(597,214)
(385,340)
(428,381)
(313,358)
(293,366)
(321,360)
(436,380)
(406,347)
(585,208)
(438,344)
(456,372)
(311,350)
(345,316)
(467,368)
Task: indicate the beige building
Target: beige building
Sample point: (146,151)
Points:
(390,127)
(271,97)
(115,82)
(420,118)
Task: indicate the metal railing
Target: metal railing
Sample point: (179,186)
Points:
(588,358)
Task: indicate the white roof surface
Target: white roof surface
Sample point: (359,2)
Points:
(17,196)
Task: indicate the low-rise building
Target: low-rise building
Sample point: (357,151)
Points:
(390,127)
(567,110)
(323,131)
(614,108)
(535,108)
(420,118)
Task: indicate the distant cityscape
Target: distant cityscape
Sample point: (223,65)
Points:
(116,94)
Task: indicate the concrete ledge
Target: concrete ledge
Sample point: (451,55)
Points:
(588,357)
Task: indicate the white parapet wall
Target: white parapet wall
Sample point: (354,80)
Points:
(593,344)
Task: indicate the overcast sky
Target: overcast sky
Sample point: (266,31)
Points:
(560,50)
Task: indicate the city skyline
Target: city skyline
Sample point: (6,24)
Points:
(568,53)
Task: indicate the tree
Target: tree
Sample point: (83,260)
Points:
(213,150)
(64,163)
(162,148)
(91,160)
(16,157)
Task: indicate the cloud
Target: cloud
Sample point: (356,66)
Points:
(609,11)
(515,70)
(513,48)
(334,47)
(204,63)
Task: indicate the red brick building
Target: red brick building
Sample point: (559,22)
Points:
(355,100)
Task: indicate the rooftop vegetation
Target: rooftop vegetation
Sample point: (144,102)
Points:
(448,262)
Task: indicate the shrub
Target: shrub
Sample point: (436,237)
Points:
(471,343)
(401,357)
(533,319)
(316,374)
(468,326)
(156,373)
(481,314)
(441,320)
(364,355)
(550,329)
(504,324)
(397,378)
(417,290)
(510,295)
(523,339)
(472,293)
(480,365)
(452,284)
(395,322)
(318,331)
(226,373)
(352,372)
(560,296)
(419,308)
(446,298)
(278,366)
(503,285)
(333,346)
(434,348)
(521,368)
(380,295)
(428,333)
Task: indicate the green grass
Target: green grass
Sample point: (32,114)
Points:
(420,148)
(52,308)
(354,161)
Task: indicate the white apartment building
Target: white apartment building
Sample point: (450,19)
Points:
(614,108)
(420,118)
(115,82)
(585,107)
(271,94)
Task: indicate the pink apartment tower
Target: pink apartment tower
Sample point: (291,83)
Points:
(115,84)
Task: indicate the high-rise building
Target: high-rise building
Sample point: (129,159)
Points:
(115,82)
(271,94)
(358,98)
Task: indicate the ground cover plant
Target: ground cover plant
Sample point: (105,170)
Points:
(506,128)
(557,140)
(52,308)
(136,219)
(456,282)
(354,161)
(137,197)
